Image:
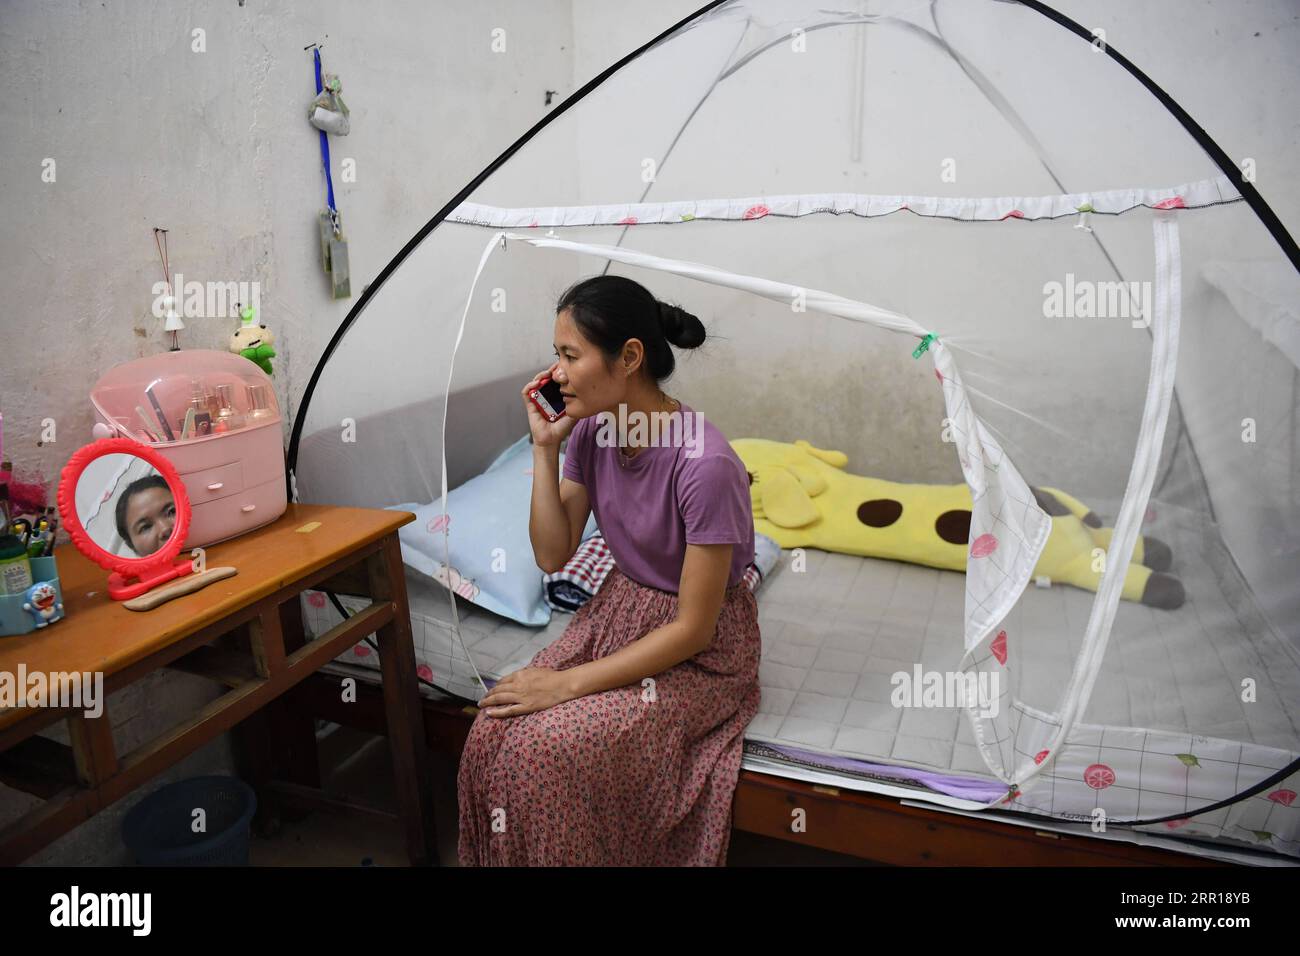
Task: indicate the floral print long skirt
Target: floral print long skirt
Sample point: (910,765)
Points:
(639,775)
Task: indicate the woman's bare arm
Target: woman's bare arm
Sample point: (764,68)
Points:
(548,525)
(555,505)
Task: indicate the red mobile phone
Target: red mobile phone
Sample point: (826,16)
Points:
(546,396)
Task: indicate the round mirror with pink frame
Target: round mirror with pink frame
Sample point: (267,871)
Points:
(126,509)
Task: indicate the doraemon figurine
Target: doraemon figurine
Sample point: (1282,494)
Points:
(43,603)
(253,341)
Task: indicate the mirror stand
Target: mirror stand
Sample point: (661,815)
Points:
(123,587)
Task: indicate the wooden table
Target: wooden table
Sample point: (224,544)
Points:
(245,633)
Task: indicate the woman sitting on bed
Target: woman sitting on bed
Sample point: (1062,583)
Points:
(620,743)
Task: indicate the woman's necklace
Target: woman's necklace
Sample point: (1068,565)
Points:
(623,457)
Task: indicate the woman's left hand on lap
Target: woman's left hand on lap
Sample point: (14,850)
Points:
(526,691)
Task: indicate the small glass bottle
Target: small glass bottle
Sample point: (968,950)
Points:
(259,401)
(226,411)
(199,397)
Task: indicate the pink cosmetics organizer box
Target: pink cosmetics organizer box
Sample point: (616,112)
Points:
(215,417)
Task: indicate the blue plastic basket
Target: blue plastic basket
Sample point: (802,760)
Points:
(159,829)
(14,621)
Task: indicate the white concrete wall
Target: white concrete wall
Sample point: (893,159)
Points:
(215,147)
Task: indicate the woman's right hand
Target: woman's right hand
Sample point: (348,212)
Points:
(545,433)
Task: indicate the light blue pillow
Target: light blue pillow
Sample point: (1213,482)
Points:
(524,444)
(492,562)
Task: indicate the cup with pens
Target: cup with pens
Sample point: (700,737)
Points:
(30,595)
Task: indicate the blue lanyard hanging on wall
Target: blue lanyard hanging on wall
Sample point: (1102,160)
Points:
(333,247)
(325,153)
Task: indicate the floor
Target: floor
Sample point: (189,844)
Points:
(357,766)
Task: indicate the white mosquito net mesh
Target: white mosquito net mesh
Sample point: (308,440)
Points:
(1115,370)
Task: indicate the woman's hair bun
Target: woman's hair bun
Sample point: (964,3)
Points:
(680,327)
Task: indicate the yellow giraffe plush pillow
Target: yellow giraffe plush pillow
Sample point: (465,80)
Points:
(803,497)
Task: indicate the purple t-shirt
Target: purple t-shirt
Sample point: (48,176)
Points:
(690,488)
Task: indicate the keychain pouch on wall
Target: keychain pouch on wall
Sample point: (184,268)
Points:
(328,112)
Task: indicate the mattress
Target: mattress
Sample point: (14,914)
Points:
(836,632)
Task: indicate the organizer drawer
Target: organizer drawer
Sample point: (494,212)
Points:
(227,517)
(213,483)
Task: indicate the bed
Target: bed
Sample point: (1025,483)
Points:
(827,738)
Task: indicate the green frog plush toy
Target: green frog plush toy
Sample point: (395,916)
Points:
(253,341)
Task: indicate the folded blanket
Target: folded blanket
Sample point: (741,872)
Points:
(574,584)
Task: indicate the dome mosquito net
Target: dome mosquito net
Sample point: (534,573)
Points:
(976,251)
